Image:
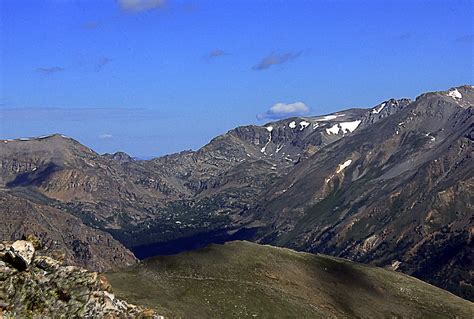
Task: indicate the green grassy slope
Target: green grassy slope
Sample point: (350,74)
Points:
(247,280)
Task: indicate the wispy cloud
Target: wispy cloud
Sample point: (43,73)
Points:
(63,114)
(282,110)
(105,136)
(191,7)
(215,54)
(141,5)
(49,70)
(403,36)
(4,102)
(468,38)
(91,25)
(102,63)
(275,59)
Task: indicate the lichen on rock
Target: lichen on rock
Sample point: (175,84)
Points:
(21,254)
(42,287)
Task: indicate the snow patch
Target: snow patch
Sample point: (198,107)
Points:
(349,126)
(304,125)
(264,149)
(345,127)
(292,124)
(279,148)
(343,166)
(432,138)
(333,130)
(269,128)
(44,136)
(455,94)
(377,110)
(328,117)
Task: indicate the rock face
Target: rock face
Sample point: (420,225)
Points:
(21,253)
(44,288)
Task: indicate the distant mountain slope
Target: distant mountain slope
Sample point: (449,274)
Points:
(246,280)
(178,195)
(388,185)
(60,231)
(399,192)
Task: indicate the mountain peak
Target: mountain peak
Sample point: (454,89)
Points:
(462,96)
(121,157)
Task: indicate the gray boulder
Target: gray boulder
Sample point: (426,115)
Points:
(21,254)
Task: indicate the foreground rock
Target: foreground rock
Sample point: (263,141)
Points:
(38,286)
(21,254)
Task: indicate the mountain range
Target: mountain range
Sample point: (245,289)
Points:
(391,185)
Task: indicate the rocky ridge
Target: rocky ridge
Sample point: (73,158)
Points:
(35,285)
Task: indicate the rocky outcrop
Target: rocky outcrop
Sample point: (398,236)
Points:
(21,254)
(35,285)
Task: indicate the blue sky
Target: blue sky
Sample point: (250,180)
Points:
(151,77)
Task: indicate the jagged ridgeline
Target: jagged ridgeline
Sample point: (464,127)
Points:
(390,185)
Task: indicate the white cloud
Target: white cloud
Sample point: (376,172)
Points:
(141,5)
(105,135)
(281,110)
